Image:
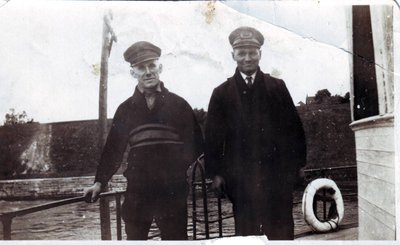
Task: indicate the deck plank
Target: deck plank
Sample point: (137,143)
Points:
(345,234)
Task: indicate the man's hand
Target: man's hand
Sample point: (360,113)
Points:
(301,173)
(300,178)
(218,185)
(91,194)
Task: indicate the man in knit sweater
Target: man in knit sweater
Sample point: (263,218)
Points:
(163,138)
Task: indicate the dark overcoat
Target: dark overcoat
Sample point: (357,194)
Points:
(255,141)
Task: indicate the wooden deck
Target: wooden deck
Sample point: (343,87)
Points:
(350,233)
(343,234)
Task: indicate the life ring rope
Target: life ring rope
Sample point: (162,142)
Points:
(307,205)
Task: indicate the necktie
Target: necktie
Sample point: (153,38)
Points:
(249,81)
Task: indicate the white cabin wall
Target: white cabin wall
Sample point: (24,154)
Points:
(382,32)
(396,50)
(375,138)
(376,178)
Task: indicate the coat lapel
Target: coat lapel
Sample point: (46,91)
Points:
(234,95)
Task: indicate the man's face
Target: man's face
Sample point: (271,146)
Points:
(247,59)
(147,73)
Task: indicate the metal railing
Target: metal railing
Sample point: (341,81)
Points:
(7,218)
(322,172)
(203,183)
(317,172)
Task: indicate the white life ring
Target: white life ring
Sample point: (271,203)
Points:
(307,205)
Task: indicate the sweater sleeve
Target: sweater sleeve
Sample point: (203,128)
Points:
(114,148)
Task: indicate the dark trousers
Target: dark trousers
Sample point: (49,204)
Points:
(260,211)
(167,209)
(157,190)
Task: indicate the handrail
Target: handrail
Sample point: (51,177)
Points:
(53,204)
(6,217)
(329,168)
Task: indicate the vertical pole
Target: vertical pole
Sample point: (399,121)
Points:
(324,202)
(315,205)
(105,223)
(7,228)
(219,217)
(118,207)
(194,217)
(104,204)
(205,207)
(105,53)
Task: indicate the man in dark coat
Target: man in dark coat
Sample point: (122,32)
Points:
(164,138)
(255,143)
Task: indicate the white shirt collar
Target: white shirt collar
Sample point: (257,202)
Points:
(253,76)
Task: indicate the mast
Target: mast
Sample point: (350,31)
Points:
(108,38)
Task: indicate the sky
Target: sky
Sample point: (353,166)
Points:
(51,50)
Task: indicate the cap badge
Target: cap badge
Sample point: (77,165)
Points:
(246,34)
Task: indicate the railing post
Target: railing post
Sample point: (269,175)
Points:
(105,222)
(194,217)
(196,165)
(118,207)
(219,217)
(205,205)
(324,202)
(315,204)
(7,228)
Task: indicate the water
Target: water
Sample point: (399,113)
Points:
(80,221)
